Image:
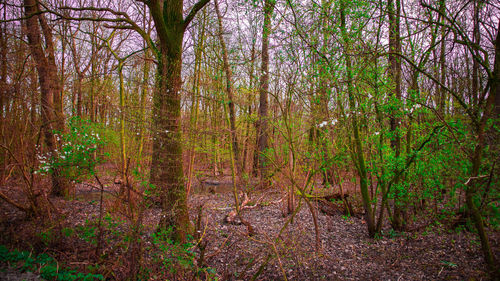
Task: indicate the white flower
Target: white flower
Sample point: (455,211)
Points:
(376,133)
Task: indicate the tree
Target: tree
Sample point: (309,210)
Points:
(229,91)
(262,127)
(394,11)
(51,116)
(167,167)
(358,155)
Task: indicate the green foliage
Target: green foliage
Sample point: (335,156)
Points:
(46,236)
(176,259)
(67,231)
(172,253)
(88,232)
(149,188)
(112,227)
(43,264)
(449,264)
(78,155)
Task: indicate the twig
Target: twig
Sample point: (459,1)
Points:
(99,226)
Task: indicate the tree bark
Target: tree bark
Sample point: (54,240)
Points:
(262,131)
(395,80)
(49,86)
(490,111)
(167,164)
(442,63)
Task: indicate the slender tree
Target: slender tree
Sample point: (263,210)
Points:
(358,145)
(229,91)
(394,11)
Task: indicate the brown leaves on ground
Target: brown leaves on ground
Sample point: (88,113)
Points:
(346,251)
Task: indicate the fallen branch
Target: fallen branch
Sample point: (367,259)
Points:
(13,203)
(327,204)
(231,217)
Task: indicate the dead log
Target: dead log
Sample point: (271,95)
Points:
(209,185)
(335,204)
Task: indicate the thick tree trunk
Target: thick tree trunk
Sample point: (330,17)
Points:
(167,164)
(262,132)
(167,167)
(49,86)
(52,69)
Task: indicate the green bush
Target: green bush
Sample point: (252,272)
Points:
(78,156)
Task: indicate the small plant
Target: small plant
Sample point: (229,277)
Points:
(87,232)
(176,259)
(392,234)
(46,236)
(449,264)
(43,264)
(67,231)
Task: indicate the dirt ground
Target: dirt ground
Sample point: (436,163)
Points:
(432,252)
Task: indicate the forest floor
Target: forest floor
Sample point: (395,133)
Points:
(431,252)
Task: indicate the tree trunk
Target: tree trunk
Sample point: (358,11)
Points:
(229,92)
(358,146)
(395,80)
(49,86)
(262,132)
(193,120)
(3,79)
(475,64)
(490,111)
(442,62)
(324,98)
(167,165)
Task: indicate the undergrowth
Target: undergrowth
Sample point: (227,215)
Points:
(42,264)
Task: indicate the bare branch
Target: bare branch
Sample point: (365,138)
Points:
(197,7)
(454,94)
(122,20)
